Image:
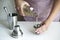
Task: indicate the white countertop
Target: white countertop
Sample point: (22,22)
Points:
(53,32)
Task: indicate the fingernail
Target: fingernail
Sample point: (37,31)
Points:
(37,33)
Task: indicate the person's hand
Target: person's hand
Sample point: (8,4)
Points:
(42,29)
(20,5)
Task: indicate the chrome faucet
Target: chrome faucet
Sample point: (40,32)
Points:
(13,25)
(16,28)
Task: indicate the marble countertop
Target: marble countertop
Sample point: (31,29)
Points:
(53,32)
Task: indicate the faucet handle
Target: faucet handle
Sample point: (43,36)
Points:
(14,14)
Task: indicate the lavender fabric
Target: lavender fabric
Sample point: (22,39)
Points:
(41,7)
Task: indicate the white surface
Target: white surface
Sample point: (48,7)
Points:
(53,32)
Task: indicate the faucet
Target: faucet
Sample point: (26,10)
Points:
(13,25)
(16,28)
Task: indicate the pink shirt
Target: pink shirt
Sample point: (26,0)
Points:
(41,7)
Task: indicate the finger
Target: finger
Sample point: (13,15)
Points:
(38,31)
(27,4)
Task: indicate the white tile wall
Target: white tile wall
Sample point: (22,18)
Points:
(9,4)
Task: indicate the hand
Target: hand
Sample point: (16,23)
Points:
(20,5)
(42,29)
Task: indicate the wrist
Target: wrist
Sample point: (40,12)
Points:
(48,21)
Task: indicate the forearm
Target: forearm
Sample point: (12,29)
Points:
(54,12)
